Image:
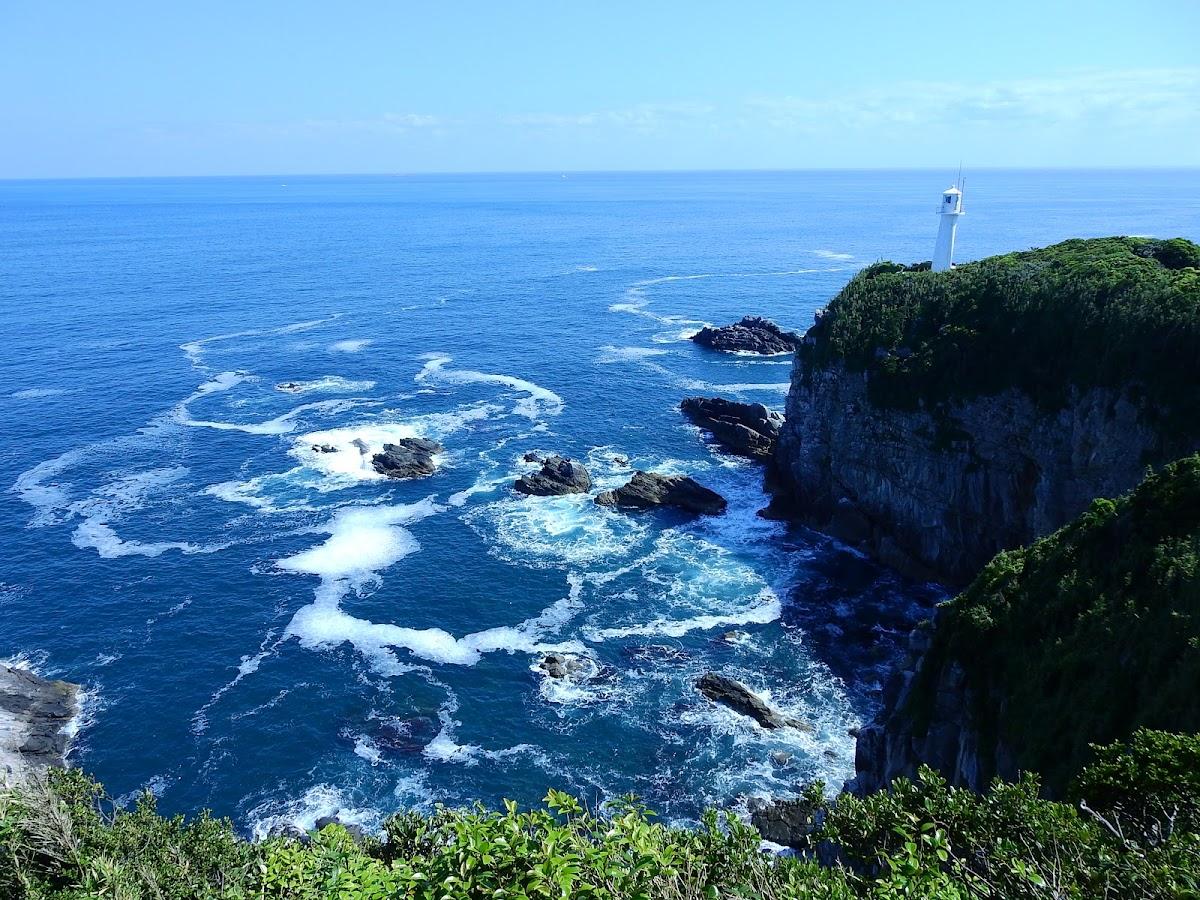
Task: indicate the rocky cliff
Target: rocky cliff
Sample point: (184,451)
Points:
(938,494)
(35,715)
(938,420)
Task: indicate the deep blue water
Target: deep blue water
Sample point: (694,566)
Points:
(272,632)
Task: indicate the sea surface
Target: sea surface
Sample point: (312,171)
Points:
(277,633)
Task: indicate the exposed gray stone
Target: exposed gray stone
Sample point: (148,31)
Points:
(647,490)
(741,699)
(747,429)
(750,335)
(557,476)
(34,715)
(407,458)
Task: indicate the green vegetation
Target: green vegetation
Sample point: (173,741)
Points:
(1106,312)
(1133,833)
(1086,634)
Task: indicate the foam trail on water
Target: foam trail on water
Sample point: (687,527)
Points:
(283,424)
(352,346)
(325,384)
(195,350)
(539,401)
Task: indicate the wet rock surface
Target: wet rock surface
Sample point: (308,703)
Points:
(752,334)
(558,476)
(729,692)
(746,429)
(407,458)
(648,490)
(786,822)
(34,715)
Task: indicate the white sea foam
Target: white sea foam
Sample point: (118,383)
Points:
(325,384)
(611,354)
(766,609)
(570,530)
(832,254)
(282,424)
(37,393)
(351,346)
(317,802)
(539,400)
(195,350)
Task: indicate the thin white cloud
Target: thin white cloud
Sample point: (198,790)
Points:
(1129,97)
(643,116)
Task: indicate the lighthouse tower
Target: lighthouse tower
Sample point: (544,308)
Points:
(949,212)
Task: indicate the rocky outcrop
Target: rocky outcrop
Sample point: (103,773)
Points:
(648,490)
(739,698)
(746,429)
(562,665)
(557,476)
(34,717)
(407,458)
(937,496)
(785,822)
(751,335)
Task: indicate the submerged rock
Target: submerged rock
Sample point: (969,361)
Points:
(747,429)
(647,490)
(741,699)
(290,387)
(558,476)
(407,458)
(751,335)
(34,715)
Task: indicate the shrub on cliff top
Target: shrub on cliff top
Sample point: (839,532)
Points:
(1107,312)
(1084,635)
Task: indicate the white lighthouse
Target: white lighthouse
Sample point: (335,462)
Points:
(949,212)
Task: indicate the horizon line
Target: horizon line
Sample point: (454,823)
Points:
(567,172)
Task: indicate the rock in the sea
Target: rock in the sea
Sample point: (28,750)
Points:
(324,448)
(407,458)
(561,665)
(532,457)
(752,334)
(324,822)
(647,490)
(747,429)
(34,715)
(558,476)
(786,822)
(742,700)
(289,387)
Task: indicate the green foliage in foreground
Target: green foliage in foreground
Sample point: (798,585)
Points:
(1106,312)
(1133,834)
(1084,635)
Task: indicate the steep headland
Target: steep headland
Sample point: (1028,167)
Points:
(1080,638)
(937,418)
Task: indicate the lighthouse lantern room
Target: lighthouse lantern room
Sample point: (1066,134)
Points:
(949,211)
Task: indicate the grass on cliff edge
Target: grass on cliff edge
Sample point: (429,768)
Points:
(1106,312)
(1084,635)
(1132,833)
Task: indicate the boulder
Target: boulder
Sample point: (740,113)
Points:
(747,429)
(558,476)
(34,715)
(647,490)
(561,665)
(741,699)
(324,448)
(407,458)
(751,335)
(786,822)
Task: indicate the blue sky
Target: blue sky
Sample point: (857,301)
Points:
(131,88)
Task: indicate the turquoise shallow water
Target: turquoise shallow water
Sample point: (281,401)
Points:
(275,633)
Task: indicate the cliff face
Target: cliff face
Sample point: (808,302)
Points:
(938,496)
(34,717)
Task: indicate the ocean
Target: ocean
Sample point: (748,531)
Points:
(277,633)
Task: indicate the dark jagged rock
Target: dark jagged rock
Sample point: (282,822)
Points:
(648,490)
(786,822)
(289,387)
(562,665)
(532,457)
(747,429)
(324,448)
(34,714)
(407,458)
(752,334)
(558,476)
(741,699)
